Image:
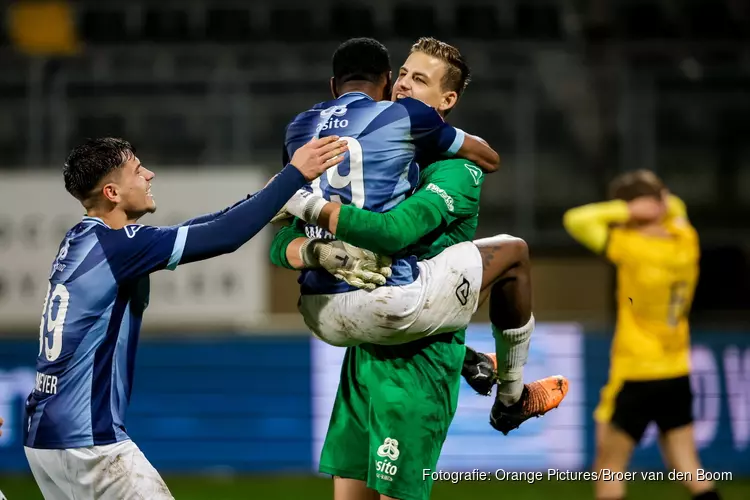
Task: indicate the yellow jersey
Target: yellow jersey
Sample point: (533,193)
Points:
(656,279)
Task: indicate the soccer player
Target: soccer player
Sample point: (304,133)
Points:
(74,433)
(384,389)
(645,233)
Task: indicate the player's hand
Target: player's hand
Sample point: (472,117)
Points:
(364,269)
(383,265)
(358,267)
(319,155)
(645,209)
(367,274)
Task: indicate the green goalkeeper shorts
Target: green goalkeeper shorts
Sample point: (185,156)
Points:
(392,412)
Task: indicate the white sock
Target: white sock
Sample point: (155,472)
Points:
(512,351)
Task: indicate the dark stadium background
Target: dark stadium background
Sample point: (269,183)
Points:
(569,92)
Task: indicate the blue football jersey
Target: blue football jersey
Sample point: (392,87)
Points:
(380,169)
(91,320)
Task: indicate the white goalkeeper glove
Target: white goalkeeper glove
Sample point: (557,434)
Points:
(356,266)
(302,204)
(282,218)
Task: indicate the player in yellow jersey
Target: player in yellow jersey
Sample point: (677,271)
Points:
(645,233)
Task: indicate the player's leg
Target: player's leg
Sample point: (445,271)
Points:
(352,489)
(506,257)
(614,447)
(381,316)
(677,440)
(118,471)
(414,398)
(48,469)
(346,450)
(680,454)
(506,277)
(622,416)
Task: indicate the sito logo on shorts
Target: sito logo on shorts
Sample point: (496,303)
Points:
(389,451)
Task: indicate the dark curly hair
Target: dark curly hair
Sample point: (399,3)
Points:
(363,59)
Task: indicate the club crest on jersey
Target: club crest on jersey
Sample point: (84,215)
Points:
(132,229)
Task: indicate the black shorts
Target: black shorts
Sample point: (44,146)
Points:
(668,402)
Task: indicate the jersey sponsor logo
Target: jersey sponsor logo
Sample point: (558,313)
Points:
(333,123)
(132,229)
(330,120)
(389,451)
(441,192)
(56,265)
(463,291)
(476,173)
(334,111)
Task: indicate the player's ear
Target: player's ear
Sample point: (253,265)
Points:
(388,89)
(111,192)
(333,88)
(448,100)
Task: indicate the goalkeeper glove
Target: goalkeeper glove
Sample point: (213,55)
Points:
(356,266)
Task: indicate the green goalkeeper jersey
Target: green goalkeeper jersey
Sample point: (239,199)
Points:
(443,211)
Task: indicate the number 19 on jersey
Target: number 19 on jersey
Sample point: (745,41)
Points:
(53,321)
(355,179)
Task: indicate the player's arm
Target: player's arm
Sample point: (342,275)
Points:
(139,250)
(285,247)
(432,134)
(293,250)
(590,224)
(449,191)
(209,217)
(676,208)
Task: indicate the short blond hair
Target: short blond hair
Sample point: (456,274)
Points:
(457,74)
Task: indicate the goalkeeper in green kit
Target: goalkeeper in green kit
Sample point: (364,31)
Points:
(406,344)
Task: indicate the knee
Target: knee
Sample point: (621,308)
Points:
(611,457)
(518,246)
(522,248)
(509,244)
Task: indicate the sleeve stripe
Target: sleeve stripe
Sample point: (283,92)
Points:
(178,248)
(457,142)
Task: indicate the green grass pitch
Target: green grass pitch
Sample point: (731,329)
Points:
(313,488)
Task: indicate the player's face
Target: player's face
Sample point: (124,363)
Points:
(134,188)
(421,78)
